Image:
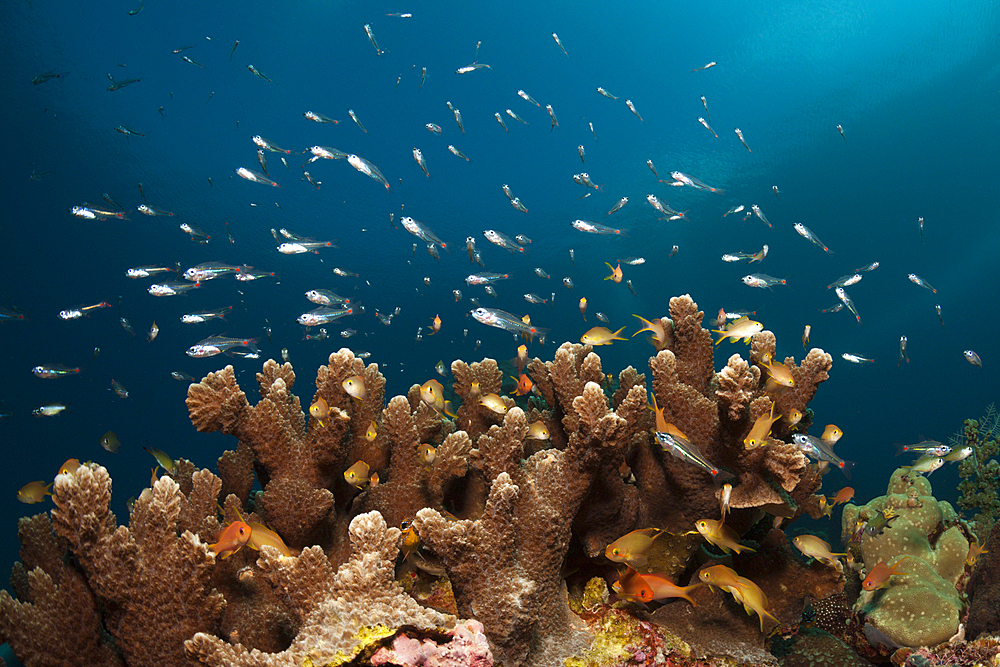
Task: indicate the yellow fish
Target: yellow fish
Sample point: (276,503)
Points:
(743,328)
(261,535)
(719,575)
(494,403)
(34,492)
(719,534)
(616,273)
(583,307)
(319,410)
(432,393)
(522,358)
(372,432)
(601,336)
(632,548)
(780,373)
(69,467)
(661,422)
(655,328)
(831,434)
(163,459)
(813,547)
(753,600)
(357,475)
(760,430)
(538,431)
(427,453)
(793,417)
(355,387)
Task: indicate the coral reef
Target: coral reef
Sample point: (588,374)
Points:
(984,589)
(501,516)
(921,608)
(467,648)
(980,473)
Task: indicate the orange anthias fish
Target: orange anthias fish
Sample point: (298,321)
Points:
(427,453)
(975,551)
(631,586)
(355,387)
(34,492)
(719,534)
(601,336)
(655,327)
(524,385)
(831,434)
(231,539)
(372,432)
(319,410)
(879,576)
(843,496)
(663,588)
(616,273)
(522,358)
(435,325)
(631,548)
(760,430)
(780,374)
(793,417)
(719,575)
(661,422)
(813,547)
(743,328)
(261,535)
(753,600)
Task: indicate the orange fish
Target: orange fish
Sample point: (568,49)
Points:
(793,417)
(522,358)
(34,492)
(743,328)
(494,403)
(780,373)
(813,547)
(427,453)
(538,431)
(631,586)
(355,387)
(411,541)
(663,588)
(231,539)
(753,600)
(524,385)
(372,432)
(435,325)
(583,307)
(843,496)
(760,430)
(879,576)
(832,434)
(616,273)
(261,535)
(975,551)
(719,575)
(661,422)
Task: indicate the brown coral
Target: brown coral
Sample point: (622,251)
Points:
(341,612)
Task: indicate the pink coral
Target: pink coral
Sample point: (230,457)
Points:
(467,648)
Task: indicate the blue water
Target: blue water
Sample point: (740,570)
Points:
(915,86)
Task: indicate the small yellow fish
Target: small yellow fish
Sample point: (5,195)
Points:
(319,410)
(494,403)
(474,392)
(163,459)
(357,475)
(655,327)
(724,495)
(719,575)
(538,431)
(975,551)
(661,422)
(432,393)
(435,325)
(261,535)
(372,432)
(616,273)
(411,541)
(427,453)
(832,434)
(583,307)
(522,358)
(805,336)
(813,547)
(34,492)
(793,417)
(760,430)
(753,600)
(719,534)
(355,387)
(743,328)
(632,548)
(69,467)
(601,336)
(780,373)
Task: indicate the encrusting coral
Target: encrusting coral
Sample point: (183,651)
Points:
(922,607)
(523,504)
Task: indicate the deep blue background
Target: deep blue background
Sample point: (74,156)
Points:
(915,86)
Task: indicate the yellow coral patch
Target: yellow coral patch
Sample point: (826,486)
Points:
(365,637)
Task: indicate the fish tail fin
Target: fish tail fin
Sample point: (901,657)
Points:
(846,467)
(900,449)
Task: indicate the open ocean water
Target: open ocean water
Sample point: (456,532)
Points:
(914,85)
